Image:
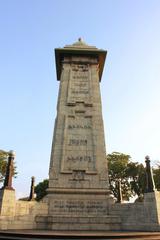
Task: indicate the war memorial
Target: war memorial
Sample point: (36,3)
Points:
(78,197)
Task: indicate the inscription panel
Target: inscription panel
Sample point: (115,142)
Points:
(79,84)
(79,158)
(78,126)
(79,206)
(78,152)
(77,142)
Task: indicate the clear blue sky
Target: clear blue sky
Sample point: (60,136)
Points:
(29,32)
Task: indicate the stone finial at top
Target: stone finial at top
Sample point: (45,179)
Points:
(80,40)
(12,153)
(80,44)
(147,158)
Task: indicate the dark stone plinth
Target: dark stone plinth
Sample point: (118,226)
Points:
(119,192)
(150,185)
(31,196)
(9,172)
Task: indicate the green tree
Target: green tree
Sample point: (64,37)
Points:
(156,175)
(137,177)
(3,164)
(40,189)
(117,165)
(130,174)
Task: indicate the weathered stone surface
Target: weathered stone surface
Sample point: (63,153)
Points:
(78,158)
(78,223)
(23,216)
(78,176)
(7,202)
(144,216)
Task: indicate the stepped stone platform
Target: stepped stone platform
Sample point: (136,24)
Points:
(78,223)
(34,234)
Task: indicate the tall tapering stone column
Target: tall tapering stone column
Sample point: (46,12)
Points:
(150,185)
(78,158)
(9,171)
(31,195)
(78,176)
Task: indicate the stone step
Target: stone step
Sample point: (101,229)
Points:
(78,219)
(78,223)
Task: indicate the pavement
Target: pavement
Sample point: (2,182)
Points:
(44,234)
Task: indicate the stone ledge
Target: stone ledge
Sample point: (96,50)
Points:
(79,191)
(78,219)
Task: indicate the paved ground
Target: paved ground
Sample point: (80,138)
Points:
(34,234)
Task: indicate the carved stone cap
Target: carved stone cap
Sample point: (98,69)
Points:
(12,153)
(80,44)
(79,48)
(147,158)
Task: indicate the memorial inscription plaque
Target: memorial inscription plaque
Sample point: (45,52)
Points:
(79,206)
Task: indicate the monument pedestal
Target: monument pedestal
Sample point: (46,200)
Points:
(7,202)
(66,223)
(79,210)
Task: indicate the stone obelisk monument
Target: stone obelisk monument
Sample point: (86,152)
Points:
(78,192)
(78,196)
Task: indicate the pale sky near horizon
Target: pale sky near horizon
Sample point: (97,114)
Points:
(30,30)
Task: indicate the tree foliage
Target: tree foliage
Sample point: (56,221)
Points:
(40,189)
(3,164)
(130,174)
(117,165)
(137,177)
(156,175)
